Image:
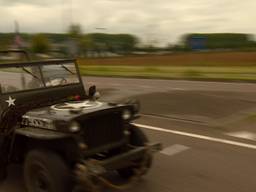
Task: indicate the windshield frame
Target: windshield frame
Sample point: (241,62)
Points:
(40,64)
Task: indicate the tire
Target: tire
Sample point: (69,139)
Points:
(45,171)
(3,173)
(3,160)
(138,138)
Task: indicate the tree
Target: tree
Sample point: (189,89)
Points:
(127,41)
(86,44)
(75,31)
(40,44)
(217,40)
(75,34)
(122,43)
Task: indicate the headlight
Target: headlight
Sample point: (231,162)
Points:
(126,114)
(136,106)
(74,127)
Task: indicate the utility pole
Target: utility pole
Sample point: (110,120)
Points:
(17,39)
(16,26)
(71,12)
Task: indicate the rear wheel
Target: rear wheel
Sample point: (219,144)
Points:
(3,173)
(3,159)
(45,171)
(137,138)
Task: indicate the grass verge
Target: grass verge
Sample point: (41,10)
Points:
(237,73)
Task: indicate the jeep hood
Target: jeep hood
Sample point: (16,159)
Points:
(69,111)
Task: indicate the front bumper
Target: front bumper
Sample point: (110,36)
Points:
(93,167)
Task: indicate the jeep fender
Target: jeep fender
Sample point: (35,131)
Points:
(42,134)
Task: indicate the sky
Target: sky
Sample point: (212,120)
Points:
(154,21)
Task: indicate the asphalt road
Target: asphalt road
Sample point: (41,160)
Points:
(207,129)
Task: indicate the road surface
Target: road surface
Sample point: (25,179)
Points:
(207,129)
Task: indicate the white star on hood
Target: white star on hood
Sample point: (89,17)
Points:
(11,101)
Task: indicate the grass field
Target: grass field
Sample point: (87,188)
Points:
(235,66)
(172,72)
(179,59)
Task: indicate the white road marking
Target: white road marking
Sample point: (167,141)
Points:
(116,84)
(208,138)
(243,134)
(174,149)
(145,86)
(178,89)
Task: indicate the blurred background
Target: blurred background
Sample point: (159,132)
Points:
(147,38)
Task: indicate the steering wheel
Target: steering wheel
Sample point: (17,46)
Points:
(57,81)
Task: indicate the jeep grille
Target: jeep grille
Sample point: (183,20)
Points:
(104,129)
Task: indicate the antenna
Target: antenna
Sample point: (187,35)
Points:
(71,12)
(17,38)
(16,27)
(63,15)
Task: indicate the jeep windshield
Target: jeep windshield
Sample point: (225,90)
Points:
(29,76)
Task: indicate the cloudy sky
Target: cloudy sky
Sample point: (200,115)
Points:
(155,21)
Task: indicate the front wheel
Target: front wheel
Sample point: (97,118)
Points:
(3,173)
(137,138)
(45,171)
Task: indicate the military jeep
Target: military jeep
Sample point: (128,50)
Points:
(66,139)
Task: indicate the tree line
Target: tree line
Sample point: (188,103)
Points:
(76,43)
(218,41)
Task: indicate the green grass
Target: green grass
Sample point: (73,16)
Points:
(173,72)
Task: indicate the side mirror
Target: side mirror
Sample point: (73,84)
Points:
(93,94)
(92,91)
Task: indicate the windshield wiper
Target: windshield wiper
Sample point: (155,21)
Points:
(33,75)
(67,69)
